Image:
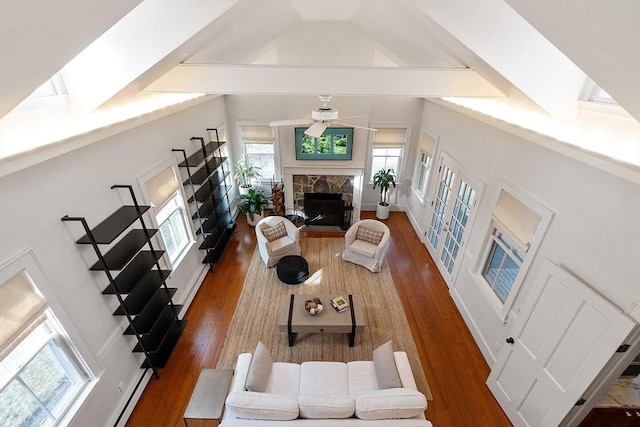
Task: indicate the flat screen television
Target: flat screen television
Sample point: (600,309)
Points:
(333,144)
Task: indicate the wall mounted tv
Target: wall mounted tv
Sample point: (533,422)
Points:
(333,144)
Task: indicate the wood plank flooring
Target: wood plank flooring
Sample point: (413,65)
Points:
(452,362)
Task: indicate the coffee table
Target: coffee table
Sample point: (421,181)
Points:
(294,318)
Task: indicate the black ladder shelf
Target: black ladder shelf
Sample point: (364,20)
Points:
(209,182)
(145,300)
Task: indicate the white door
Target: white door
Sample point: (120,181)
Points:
(453,209)
(563,336)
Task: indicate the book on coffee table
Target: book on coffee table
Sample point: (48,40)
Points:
(339,303)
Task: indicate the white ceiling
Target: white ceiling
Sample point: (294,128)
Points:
(278,39)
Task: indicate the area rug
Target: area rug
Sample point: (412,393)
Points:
(256,315)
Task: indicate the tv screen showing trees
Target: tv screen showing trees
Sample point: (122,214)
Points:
(333,144)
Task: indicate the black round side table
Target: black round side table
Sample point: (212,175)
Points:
(292,269)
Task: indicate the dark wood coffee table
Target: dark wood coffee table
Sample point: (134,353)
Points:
(294,318)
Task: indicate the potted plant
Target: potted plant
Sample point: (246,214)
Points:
(245,171)
(252,204)
(384,179)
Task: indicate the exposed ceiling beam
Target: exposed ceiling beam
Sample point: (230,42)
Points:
(38,37)
(230,79)
(604,41)
(516,50)
(142,39)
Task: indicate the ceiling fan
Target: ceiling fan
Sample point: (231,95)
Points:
(321,118)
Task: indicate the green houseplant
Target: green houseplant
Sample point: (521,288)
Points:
(384,179)
(252,204)
(245,171)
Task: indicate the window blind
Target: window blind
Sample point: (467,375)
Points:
(257,134)
(514,219)
(427,144)
(390,136)
(162,187)
(20,306)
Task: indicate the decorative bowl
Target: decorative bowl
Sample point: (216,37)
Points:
(313,306)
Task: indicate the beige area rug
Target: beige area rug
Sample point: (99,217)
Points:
(256,315)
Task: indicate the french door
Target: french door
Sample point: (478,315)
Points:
(456,196)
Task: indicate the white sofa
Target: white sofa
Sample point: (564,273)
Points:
(325,394)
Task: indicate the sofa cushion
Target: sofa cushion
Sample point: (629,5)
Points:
(284,379)
(275,232)
(362,377)
(261,406)
(363,248)
(385,364)
(324,379)
(311,406)
(390,403)
(369,235)
(260,369)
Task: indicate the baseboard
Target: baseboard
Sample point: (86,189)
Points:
(196,282)
(473,328)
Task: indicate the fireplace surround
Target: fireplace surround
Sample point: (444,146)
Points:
(300,180)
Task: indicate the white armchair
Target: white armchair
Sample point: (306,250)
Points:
(365,243)
(276,241)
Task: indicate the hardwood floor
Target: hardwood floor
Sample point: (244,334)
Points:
(452,362)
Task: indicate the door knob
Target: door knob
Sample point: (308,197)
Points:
(510,340)
(446,227)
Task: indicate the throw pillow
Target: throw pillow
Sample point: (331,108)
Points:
(277,231)
(384,363)
(261,406)
(320,407)
(369,235)
(390,403)
(259,369)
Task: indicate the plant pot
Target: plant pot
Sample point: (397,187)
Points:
(256,219)
(382,211)
(244,189)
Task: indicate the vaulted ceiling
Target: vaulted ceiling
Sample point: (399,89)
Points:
(537,53)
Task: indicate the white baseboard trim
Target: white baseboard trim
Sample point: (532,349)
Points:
(484,347)
(135,396)
(196,282)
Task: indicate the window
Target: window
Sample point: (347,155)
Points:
(503,265)
(594,93)
(516,224)
(171,216)
(40,372)
(388,145)
(52,87)
(259,149)
(173,228)
(425,158)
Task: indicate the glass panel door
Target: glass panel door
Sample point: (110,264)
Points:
(453,210)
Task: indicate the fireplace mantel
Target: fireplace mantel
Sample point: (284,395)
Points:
(290,171)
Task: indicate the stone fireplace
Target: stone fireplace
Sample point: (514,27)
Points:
(323,183)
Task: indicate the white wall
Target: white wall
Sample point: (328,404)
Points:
(376,111)
(78,184)
(593,234)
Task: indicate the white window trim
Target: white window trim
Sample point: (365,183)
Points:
(403,157)
(546,215)
(423,197)
(276,151)
(142,179)
(27,262)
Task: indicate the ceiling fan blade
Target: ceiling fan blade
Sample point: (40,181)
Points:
(354,126)
(316,129)
(352,117)
(292,122)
